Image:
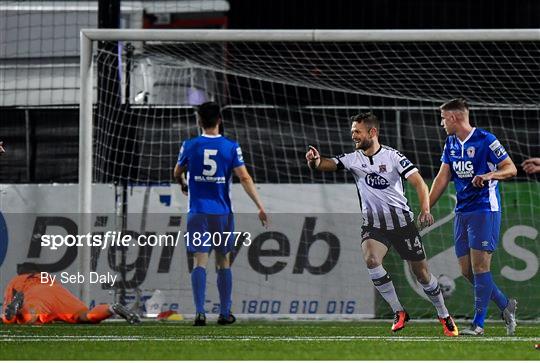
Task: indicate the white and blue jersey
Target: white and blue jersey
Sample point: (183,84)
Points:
(478,154)
(478,210)
(210,161)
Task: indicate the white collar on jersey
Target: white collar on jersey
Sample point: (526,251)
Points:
(468,136)
(211,136)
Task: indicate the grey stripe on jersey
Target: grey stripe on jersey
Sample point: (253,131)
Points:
(395,217)
(370,218)
(407,215)
(380,217)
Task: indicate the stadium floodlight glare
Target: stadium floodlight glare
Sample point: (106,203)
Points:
(282,90)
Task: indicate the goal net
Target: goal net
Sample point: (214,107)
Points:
(279,92)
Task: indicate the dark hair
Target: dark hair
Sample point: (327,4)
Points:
(368,118)
(457,104)
(209,114)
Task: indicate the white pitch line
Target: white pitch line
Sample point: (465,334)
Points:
(75,338)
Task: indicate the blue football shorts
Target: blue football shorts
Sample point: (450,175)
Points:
(206,232)
(476,230)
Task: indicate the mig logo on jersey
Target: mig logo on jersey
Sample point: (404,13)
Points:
(463,169)
(376,181)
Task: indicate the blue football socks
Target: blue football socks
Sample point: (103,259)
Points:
(224,284)
(483,286)
(198,285)
(499,297)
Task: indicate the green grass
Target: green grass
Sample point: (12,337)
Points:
(263,340)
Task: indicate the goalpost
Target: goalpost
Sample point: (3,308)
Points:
(281,90)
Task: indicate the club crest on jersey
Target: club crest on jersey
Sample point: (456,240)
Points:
(470,151)
(376,181)
(382,168)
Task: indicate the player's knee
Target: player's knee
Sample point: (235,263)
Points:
(372,261)
(422,274)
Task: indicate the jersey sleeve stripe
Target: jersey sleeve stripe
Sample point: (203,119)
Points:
(339,164)
(405,173)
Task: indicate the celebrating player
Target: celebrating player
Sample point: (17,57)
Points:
(29,300)
(475,160)
(388,220)
(209,161)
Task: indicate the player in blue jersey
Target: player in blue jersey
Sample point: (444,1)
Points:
(475,161)
(209,161)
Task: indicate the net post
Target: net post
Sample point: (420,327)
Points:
(85,159)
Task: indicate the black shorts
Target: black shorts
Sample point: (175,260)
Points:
(406,240)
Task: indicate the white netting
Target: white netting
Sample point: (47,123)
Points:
(278,97)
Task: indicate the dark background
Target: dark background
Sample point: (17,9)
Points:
(384,14)
(52,155)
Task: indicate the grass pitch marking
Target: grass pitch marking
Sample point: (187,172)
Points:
(252,338)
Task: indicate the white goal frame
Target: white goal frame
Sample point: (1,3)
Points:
(89,36)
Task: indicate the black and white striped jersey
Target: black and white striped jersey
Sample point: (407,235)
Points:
(380,187)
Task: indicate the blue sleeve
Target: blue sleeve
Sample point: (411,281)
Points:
(444,158)
(496,152)
(238,159)
(183,154)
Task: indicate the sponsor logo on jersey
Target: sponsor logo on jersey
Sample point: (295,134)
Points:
(210,179)
(463,169)
(500,152)
(470,151)
(382,168)
(404,163)
(497,149)
(376,181)
(239,152)
(495,145)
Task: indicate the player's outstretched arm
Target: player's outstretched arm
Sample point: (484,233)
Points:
(439,184)
(180,177)
(425,218)
(316,162)
(249,187)
(2,150)
(505,170)
(531,165)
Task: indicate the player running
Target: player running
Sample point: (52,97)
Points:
(210,160)
(475,160)
(388,220)
(29,301)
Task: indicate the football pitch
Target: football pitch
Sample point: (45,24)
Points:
(262,340)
